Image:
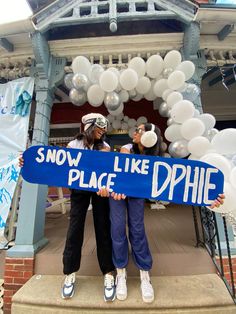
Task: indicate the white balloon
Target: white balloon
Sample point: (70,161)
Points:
(124,126)
(116,124)
(128,79)
(150,96)
(167,155)
(172,59)
(132,123)
(131,132)
(95,72)
(219,162)
(154,66)
(126,118)
(124,95)
(159,87)
(182,111)
(120,116)
(141,120)
(198,146)
(196,113)
(188,68)
(115,71)
(192,157)
(138,97)
(176,80)
(138,65)
(81,65)
(117,111)
(230,200)
(166,93)
(108,81)
(95,95)
(173,98)
(192,128)
(208,120)
(143,86)
(224,141)
(110,118)
(232,177)
(172,133)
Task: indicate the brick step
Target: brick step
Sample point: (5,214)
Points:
(174,294)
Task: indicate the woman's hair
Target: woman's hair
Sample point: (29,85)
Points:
(88,138)
(155,150)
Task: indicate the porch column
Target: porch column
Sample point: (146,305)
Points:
(49,72)
(191,51)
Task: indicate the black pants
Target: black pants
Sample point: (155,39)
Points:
(75,235)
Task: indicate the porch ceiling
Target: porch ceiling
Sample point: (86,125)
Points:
(211,20)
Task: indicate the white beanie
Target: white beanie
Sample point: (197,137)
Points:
(90,118)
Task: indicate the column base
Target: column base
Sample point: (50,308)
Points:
(19,250)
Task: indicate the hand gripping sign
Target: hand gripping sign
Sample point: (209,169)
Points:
(176,180)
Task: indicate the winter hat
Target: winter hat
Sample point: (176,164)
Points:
(94,119)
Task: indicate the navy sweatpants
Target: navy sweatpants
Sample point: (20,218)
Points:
(134,207)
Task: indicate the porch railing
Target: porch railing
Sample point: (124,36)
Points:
(207,235)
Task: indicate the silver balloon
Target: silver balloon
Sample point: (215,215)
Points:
(167,72)
(164,110)
(179,149)
(68,80)
(211,133)
(78,98)
(132,93)
(191,92)
(80,81)
(112,101)
(170,121)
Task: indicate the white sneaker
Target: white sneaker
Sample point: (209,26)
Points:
(146,287)
(109,288)
(121,287)
(68,288)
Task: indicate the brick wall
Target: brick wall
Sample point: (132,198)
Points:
(17,272)
(227,269)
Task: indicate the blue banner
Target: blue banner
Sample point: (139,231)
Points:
(167,179)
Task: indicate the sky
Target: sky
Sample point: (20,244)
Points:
(226,2)
(13,10)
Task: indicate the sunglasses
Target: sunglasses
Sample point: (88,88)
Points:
(101,123)
(139,130)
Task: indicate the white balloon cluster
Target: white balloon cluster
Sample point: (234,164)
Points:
(122,122)
(149,80)
(190,133)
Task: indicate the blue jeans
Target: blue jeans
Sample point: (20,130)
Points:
(137,237)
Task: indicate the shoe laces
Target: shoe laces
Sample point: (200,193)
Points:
(147,286)
(121,281)
(70,279)
(108,281)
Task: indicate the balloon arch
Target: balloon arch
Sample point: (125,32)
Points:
(190,133)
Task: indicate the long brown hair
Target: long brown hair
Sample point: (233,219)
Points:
(88,139)
(155,150)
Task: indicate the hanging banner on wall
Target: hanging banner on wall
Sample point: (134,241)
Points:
(15,101)
(168,179)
